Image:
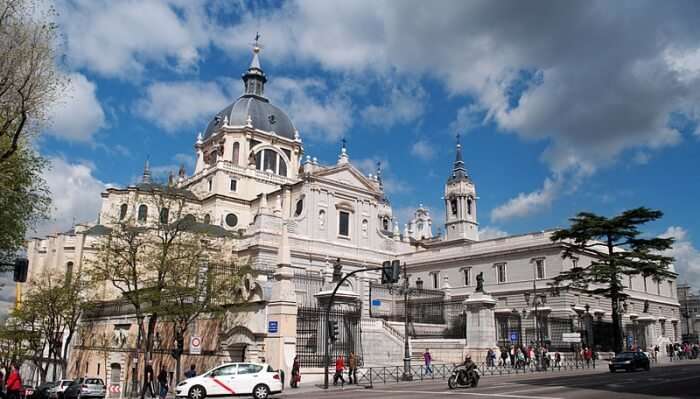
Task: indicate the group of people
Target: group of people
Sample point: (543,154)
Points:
(340,368)
(681,351)
(160,383)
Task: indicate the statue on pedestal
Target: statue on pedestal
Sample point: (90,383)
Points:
(480,283)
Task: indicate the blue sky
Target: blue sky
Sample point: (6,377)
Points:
(561,107)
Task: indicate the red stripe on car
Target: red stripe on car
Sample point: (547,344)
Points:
(226,387)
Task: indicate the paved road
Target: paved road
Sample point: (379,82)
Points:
(674,381)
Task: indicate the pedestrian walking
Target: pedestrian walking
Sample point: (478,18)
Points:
(192,372)
(296,373)
(14,383)
(148,380)
(339,367)
(162,383)
(490,356)
(557,359)
(428,360)
(588,355)
(352,368)
(504,356)
(512,356)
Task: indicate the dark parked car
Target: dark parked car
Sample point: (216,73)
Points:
(44,390)
(629,361)
(85,388)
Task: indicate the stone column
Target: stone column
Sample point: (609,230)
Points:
(481,325)
(280,347)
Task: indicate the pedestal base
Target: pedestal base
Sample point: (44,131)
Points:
(481,324)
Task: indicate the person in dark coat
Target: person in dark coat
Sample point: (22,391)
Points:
(162,383)
(148,380)
(296,374)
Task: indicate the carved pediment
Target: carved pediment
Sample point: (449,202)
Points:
(348,175)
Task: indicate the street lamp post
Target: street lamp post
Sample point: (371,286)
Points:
(407,376)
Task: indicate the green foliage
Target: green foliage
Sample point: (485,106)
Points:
(617,249)
(24,199)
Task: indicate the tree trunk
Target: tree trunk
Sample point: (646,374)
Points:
(615,298)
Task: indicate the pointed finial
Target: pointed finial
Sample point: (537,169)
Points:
(225,120)
(249,121)
(343,158)
(378,175)
(296,135)
(199,138)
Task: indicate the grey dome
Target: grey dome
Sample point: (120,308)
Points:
(264,115)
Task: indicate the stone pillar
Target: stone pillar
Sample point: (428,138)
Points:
(648,328)
(280,347)
(481,325)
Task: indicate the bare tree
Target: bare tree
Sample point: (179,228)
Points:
(144,260)
(29,80)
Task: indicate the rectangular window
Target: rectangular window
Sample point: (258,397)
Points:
(574,263)
(670,289)
(645,284)
(539,269)
(436,282)
(658,287)
(419,284)
(344,224)
(630,282)
(501,272)
(210,184)
(234,185)
(467,276)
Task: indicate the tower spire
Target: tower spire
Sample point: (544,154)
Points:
(459,172)
(146,172)
(254,78)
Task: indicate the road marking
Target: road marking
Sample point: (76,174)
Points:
(537,389)
(495,395)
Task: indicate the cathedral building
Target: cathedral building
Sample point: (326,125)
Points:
(293,218)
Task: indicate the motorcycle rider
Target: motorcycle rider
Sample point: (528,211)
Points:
(469,367)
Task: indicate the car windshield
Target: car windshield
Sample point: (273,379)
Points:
(94,381)
(625,356)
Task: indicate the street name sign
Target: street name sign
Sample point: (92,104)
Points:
(571,337)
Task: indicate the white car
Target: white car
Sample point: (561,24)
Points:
(256,379)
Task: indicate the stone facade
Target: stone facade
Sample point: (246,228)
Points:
(296,216)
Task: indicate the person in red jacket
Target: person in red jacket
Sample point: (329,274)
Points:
(14,383)
(339,366)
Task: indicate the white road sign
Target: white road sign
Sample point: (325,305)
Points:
(571,337)
(195,345)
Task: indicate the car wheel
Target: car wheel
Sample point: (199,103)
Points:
(197,392)
(261,391)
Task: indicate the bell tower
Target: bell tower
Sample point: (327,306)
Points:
(460,202)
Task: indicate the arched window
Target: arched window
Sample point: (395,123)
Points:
(207,219)
(469,206)
(299,207)
(385,224)
(122,211)
(453,206)
(69,272)
(270,160)
(143,213)
(164,213)
(236,151)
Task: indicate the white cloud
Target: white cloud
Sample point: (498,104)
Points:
(77,115)
(75,193)
(423,149)
(592,80)
(175,106)
(687,263)
(490,232)
(403,104)
(526,204)
(121,38)
(316,111)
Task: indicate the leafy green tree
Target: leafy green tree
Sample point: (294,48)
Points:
(24,199)
(618,251)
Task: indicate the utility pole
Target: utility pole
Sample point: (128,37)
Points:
(407,376)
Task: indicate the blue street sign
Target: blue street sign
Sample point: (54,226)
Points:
(513,336)
(376,302)
(272,326)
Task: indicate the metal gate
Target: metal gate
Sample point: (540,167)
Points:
(509,330)
(312,331)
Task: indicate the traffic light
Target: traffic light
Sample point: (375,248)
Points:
(21,270)
(337,271)
(391,271)
(386,272)
(395,271)
(333,330)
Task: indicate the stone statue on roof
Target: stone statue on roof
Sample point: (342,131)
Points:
(480,282)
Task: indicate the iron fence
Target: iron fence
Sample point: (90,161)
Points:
(312,333)
(307,284)
(393,374)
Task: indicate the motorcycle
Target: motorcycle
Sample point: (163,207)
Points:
(461,378)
